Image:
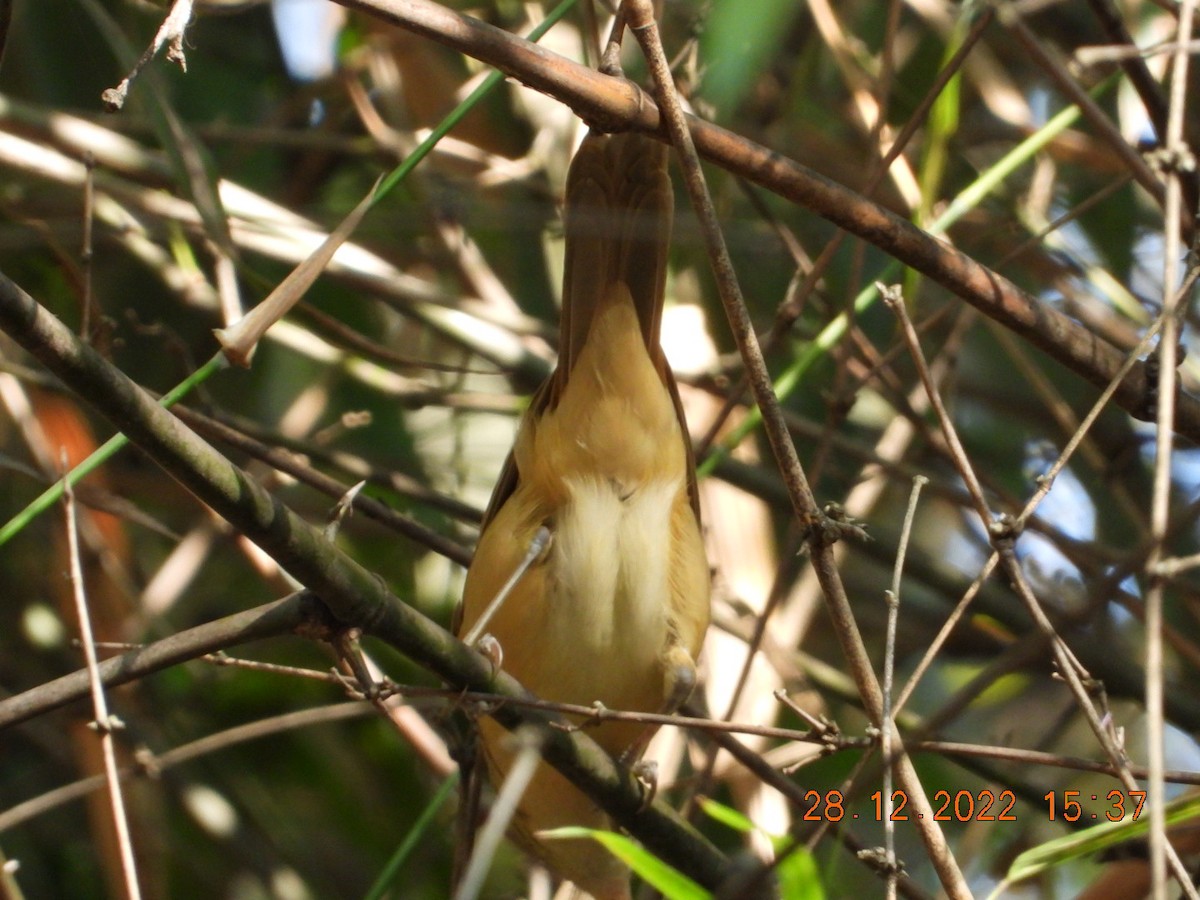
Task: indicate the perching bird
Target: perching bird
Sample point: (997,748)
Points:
(616,608)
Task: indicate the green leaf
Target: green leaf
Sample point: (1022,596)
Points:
(726,815)
(1092,840)
(738,40)
(799,878)
(668,881)
(395,865)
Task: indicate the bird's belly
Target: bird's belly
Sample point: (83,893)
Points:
(608,590)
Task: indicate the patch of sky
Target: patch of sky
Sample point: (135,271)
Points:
(307,31)
(1185,462)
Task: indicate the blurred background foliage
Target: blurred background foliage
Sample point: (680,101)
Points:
(413,380)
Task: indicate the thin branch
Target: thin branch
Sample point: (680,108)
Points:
(154,764)
(1176,150)
(722,732)
(285,461)
(537,546)
(267,445)
(169,33)
(1142,79)
(822,531)
(520,773)
(1091,55)
(1135,67)
(889,666)
(103,723)
(284,616)
(1099,120)
(948,626)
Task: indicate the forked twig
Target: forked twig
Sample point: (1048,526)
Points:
(169,33)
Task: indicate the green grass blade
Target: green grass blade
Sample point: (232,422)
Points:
(393,866)
(1092,840)
(668,881)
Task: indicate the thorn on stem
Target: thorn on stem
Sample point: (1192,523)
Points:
(645,771)
(492,651)
(108,725)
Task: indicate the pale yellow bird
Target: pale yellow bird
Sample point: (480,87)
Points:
(616,608)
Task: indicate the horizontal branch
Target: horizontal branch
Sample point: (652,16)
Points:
(269,620)
(616,104)
(161,762)
(354,595)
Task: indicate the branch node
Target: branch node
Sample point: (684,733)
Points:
(1003,531)
(492,651)
(1177,159)
(835,524)
(598,714)
(114,98)
(877,859)
(147,763)
(107,725)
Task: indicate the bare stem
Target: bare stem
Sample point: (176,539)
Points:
(889,667)
(1160,506)
(1003,536)
(640,19)
(104,723)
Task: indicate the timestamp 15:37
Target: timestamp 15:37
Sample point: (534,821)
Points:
(980,806)
(1069,805)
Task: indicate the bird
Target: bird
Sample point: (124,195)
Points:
(615,609)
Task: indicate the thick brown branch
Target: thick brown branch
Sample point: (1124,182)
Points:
(614,103)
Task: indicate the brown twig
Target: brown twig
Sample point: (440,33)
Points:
(169,33)
(892,598)
(269,620)
(285,461)
(1141,172)
(1143,81)
(303,612)
(797,296)
(104,723)
(640,19)
(1161,852)
(148,763)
